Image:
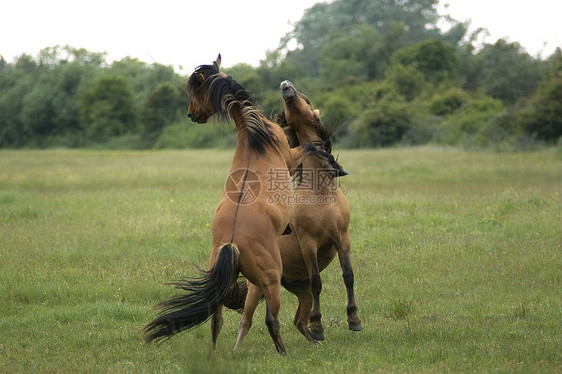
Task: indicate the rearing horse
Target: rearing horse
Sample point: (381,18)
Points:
(319,230)
(249,218)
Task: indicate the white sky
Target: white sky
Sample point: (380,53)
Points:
(535,24)
(190,33)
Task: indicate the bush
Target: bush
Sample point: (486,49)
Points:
(408,80)
(160,109)
(182,135)
(384,123)
(542,117)
(447,102)
(107,108)
(470,124)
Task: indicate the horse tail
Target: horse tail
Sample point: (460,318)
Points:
(204,297)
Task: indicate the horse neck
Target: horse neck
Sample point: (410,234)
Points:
(309,135)
(306,135)
(260,162)
(254,131)
(236,113)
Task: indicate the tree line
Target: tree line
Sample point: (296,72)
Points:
(382,73)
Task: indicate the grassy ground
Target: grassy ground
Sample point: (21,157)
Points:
(457,257)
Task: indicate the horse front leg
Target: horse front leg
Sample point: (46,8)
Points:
(344,250)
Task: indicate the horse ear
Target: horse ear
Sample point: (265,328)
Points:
(217,62)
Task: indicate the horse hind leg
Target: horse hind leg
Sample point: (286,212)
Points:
(273,305)
(216,326)
(309,250)
(301,289)
(252,299)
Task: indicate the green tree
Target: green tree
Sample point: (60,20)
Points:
(434,58)
(107,108)
(446,102)
(405,21)
(542,116)
(57,55)
(50,108)
(39,100)
(141,77)
(358,55)
(408,80)
(470,123)
(15,82)
(386,120)
(504,71)
(160,109)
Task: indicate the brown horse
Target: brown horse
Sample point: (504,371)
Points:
(320,221)
(251,216)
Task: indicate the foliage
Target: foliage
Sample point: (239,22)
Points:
(160,109)
(446,102)
(386,121)
(469,124)
(181,135)
(382,72)
(142,78)
(408,80)
(357,55)
(506,72)
(435,59)
(39,100)
(107,109)
(542,115)
(404,21)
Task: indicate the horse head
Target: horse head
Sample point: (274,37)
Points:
(302,119)
(201,106)
(302,125)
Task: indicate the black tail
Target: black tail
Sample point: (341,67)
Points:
(204,297)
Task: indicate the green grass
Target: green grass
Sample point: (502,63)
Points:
(457,258)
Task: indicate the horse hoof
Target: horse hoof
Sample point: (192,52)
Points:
(355,327)
(318,335)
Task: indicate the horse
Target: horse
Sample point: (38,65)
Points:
(321,229)
(251,216)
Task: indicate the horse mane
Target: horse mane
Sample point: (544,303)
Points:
(222,93)
(323,132)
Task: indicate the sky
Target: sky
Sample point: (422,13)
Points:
(189,33)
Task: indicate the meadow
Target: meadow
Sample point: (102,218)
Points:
(457,260)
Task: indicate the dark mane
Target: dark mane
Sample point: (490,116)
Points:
(223,93)
(323,132)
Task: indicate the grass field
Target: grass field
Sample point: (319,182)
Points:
(457,259)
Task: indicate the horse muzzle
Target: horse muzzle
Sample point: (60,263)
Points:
(287,90)
(339,170)
(197,119)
